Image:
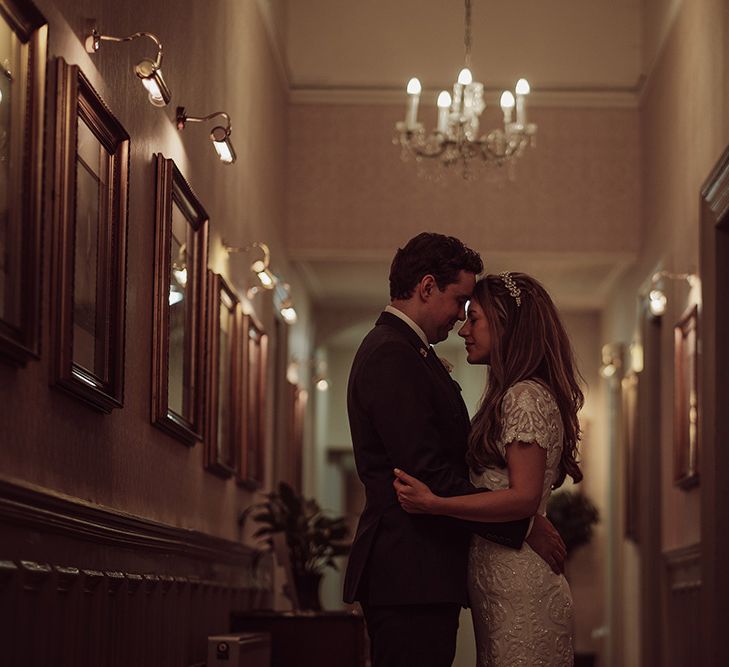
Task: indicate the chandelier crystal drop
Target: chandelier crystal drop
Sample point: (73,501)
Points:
(456,141)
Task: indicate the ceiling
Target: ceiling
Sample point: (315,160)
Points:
(564,47)
(379,44)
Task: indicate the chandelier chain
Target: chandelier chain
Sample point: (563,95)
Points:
(467,33)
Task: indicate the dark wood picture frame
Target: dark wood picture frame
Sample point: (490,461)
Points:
(686,400)
(20,336)
(101,387)
(299,398)
(224,375)
(251,462)
(630,436)
(173,191)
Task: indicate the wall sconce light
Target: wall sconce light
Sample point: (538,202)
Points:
(288,312)
(149,71)
(283,301)
(657,300)
(612,360)
(219,135)
(260,267)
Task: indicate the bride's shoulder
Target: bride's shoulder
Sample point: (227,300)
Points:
(528,391)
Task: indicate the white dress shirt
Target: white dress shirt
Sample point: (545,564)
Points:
(398,313)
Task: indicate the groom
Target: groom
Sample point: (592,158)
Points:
(409,571)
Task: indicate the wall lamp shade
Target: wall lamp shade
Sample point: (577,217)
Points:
(288,312)
(153,81)
(657,302)
(148,70)
(220,136)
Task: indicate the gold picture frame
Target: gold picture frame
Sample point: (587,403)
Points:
(179,310)
(88,293)
(251,461)
(224,358)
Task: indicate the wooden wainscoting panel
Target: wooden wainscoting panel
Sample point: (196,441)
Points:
(86,586)
(683,596)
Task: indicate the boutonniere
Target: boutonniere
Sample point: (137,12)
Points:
(446,364)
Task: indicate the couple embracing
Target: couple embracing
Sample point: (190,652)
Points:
(454,512)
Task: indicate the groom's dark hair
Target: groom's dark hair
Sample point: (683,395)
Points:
(443,257)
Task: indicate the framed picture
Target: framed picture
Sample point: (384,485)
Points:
(686,401)
(630,438)
(255,355)
(298,400)
(224,377)
(180,265)
(23,48)
(89,243)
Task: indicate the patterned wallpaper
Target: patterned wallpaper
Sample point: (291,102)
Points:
(349,194)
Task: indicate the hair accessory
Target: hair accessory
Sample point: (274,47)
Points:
(511,286)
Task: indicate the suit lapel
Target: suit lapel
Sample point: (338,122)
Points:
(453,386)
(451,390)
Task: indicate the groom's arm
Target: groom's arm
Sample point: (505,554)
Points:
(392,388)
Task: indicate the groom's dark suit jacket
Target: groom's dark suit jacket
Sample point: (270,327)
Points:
(406,412)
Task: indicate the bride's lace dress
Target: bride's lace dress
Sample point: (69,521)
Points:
(522,611)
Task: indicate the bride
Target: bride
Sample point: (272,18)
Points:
(522,444)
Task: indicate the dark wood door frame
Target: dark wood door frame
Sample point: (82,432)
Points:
(713,415)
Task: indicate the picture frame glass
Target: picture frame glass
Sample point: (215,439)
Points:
(686,401)
(92,182)
(226,341)
(251,469)
(179,372)
(14,57)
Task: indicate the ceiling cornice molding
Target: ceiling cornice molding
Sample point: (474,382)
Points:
(583,257)
(620,98)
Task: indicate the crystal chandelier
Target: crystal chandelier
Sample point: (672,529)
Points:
(456,141)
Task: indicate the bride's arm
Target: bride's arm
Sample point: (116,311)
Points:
(526,463)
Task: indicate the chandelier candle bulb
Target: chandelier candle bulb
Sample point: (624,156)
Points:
(444,103)
(507,106)
(411,115)
(465,77)
(522,90)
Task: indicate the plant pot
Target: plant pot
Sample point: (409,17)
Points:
(307,590)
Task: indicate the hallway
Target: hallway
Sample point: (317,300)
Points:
(189,261)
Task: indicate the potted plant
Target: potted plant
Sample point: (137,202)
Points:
(312,539)
(573,515)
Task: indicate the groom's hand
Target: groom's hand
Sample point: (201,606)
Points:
(546,542)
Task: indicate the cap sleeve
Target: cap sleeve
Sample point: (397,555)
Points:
(526,410)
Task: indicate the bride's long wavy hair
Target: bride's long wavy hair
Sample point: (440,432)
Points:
(528,342)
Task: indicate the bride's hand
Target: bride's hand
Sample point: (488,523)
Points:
(413,496)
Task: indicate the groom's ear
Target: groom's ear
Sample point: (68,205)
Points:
(426,287)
